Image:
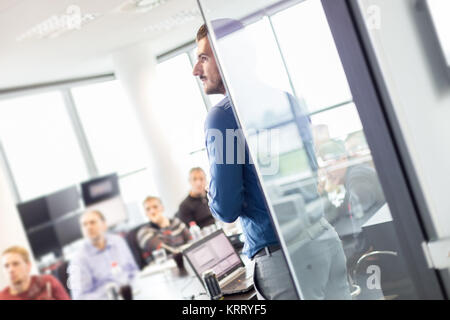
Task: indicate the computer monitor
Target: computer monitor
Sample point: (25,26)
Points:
(214,252)
(43,241)
(68,230)
(34,213)
(63,202)
(100,189)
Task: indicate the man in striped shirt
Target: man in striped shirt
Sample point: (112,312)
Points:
(161,231)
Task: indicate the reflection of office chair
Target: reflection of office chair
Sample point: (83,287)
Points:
(393,280)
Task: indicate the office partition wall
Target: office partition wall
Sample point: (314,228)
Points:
(333,182)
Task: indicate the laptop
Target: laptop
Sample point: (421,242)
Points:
(215,252)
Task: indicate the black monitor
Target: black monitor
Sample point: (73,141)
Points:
(100,189)
(63,202)
(34,212)
(43,241)
(68,230)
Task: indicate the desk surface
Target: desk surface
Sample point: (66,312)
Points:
(381,216)
(346,226)
(167,282)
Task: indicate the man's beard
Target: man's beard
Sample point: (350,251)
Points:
(217,88)
(17,282)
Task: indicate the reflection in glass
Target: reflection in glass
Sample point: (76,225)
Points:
(312,59)
(439,13)
(325,198)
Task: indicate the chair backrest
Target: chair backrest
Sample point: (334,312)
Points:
(139,256)
(61,274)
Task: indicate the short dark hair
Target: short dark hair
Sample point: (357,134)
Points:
(202,32)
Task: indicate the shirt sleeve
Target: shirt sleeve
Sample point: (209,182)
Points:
(226,186)
(148,239)
(130,266)
(81,282)
(186,233)
(58,291)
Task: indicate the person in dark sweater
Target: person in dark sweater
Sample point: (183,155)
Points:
(195,206)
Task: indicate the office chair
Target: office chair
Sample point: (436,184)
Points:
(61,274)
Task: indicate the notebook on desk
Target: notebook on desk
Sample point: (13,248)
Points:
(215,252)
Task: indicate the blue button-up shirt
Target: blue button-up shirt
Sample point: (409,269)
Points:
(233,189)
(90,271)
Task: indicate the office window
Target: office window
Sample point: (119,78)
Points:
(40,144)
(111,127)
(312,59)
(339,122)
(181,111)
(269,65)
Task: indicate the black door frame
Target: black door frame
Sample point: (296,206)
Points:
(394,167)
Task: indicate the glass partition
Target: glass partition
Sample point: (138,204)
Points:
(290,95)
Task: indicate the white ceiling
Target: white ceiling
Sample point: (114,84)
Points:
(85,51)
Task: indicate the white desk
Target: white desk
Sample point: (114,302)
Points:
(166,282)
(381,216)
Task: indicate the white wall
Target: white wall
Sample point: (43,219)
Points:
(11,229)
(419,88)
(135,67)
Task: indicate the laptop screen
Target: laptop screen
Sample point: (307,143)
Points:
(214,253)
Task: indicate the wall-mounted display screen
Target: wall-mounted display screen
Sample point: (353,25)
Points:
(43,241)
(63,202)
(100,189)
(68,230)
(34,213)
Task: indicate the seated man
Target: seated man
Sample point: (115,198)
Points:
(23,286)
(103,261)
(195,206)
(161,231)
(363,193)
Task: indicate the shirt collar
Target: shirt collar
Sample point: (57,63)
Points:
(94,250)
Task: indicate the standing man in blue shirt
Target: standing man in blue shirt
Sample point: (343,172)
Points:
(103,261)
(234,191)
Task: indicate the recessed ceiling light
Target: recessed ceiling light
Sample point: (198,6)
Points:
(148,3)
(54,26)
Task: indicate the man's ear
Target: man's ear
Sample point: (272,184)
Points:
(105,226)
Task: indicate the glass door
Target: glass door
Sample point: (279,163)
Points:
(291,96)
